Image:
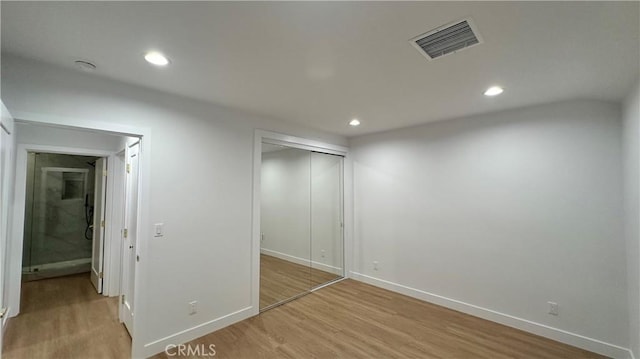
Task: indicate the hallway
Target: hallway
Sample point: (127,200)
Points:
(65,318)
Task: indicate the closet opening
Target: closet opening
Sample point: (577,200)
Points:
(301,222)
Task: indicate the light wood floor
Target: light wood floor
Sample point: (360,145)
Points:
(65,318)
(354,320)
(281,280)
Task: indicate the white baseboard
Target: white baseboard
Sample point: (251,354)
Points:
(187,335)
(576,340)
(302,261)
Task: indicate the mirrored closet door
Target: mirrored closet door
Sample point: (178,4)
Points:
(327,248)
(301,242)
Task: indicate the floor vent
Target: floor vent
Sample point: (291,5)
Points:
(447,39)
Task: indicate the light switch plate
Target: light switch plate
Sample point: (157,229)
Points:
(158,230)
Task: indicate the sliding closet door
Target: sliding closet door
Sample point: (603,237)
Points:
(285,260)
(327,247)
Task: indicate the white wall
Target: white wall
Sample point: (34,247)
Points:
(51,136)
(200,188)
(631,126)
(301,208)
(502,212)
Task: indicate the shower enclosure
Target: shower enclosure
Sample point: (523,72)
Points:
(58,215)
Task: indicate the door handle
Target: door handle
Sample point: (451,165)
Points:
(3,312)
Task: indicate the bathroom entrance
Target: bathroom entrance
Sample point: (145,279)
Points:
(61,220)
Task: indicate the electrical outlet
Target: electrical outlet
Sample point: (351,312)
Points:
(193,307)
(553,308)
(375,265)
(323,253)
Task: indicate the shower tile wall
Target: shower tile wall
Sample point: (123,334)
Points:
(55,227)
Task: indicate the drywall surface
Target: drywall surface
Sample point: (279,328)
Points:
(631,127)
(61,137)
(200,188)
(504,212)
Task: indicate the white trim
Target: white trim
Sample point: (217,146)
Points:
(137,346)
(261,136)
(255,225)
(563,336)
(299,142)
(113,230)
(348,215)
(302,261)
(79,124)
(17,223)
(199,330)
(64,169)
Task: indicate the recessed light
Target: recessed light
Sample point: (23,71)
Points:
(494,91)
(355,122)
(156,58)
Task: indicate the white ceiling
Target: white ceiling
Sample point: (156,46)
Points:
(323,63)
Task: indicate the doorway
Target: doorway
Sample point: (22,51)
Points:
(59,215)
(111,142)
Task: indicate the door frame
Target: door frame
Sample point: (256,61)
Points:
(305,144)
(101,275)
(6,196)
(113,255)
(128,199)
(17,223)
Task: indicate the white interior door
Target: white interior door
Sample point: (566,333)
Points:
(129,258)
(97,258)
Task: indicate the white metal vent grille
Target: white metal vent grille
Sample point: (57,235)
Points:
(447,39)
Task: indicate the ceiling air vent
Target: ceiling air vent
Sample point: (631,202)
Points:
(447,39)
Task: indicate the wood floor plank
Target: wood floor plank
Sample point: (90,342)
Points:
(281,280)
(65,318)
(351,319)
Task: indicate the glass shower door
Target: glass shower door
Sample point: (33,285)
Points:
(59,223)
(58,237)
